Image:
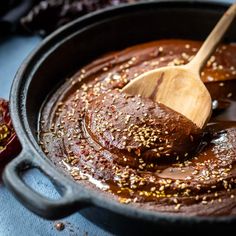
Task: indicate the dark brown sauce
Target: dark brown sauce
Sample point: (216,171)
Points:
(204,177)
(140,128)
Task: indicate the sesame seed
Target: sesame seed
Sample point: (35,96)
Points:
(175,200)
(177,207)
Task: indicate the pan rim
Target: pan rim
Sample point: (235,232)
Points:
(18,111)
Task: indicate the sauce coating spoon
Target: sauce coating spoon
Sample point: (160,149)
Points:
(180,87)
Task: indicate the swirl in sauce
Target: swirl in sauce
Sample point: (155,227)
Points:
(119,144)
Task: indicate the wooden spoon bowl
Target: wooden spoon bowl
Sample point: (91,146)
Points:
(180,87)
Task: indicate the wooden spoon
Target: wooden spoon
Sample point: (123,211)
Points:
(180,87)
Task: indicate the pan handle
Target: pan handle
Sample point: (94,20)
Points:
(71,199)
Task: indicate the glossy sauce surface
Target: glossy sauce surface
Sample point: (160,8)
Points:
(111,141)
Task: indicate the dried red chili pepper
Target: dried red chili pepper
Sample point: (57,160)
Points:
(62,12)
(9,143)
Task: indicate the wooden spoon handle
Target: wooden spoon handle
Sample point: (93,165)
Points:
(212,40)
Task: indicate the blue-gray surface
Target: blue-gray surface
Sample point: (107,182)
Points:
(14,218)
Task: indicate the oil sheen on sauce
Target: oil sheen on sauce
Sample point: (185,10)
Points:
(87,132)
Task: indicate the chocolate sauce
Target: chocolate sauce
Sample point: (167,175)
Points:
(140,128)
(117,144)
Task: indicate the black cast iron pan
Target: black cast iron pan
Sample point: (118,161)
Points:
(59,56)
